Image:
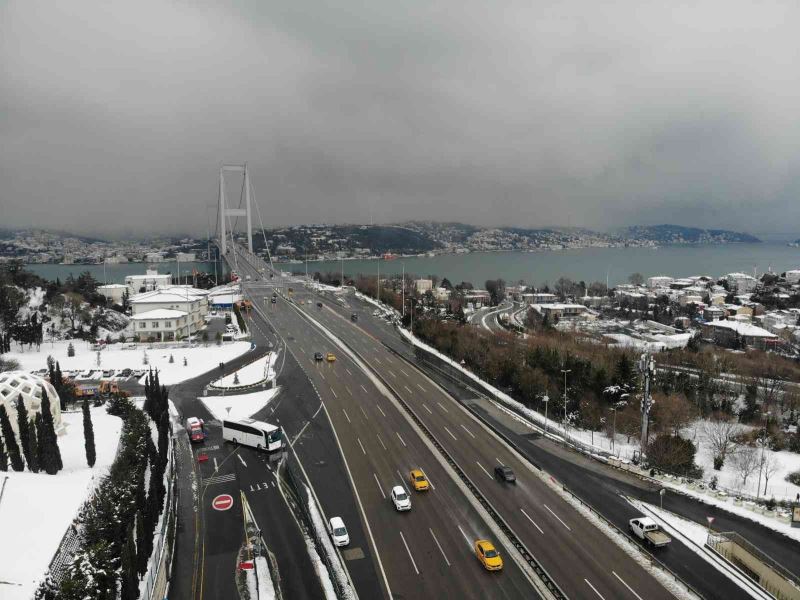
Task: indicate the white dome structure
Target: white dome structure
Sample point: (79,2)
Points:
(14,384)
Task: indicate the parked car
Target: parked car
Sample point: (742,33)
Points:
(196,429)
(647,530)
(274,299)
(354,317)
(504,473)
(126,373)
(319,304)
(330,357)
(318,356)
(488,555)
(338,532)
(400,498)
(418,480)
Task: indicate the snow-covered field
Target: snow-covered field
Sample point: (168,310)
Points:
(241,405)
(36,508)
(256,372)
(200,359)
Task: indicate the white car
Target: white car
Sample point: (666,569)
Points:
(338,532)
(400,498)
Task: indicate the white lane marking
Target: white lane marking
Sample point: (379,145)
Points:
(401,439)
(378,360)
(392,374)
(630,589)
(348,390)
(482,469)
(404,373)
(469,541)
(365,389)
(334,393)
(381,441)
(426,408)
(409,553)
(362,446)
(589,583)
(420,387)
(557,517)
(439,546)
(468,431)
(451,433)
(346,416)
(378,406)
(321,375)
(403,482)
(531,520)
(242,460)
(363,412)
(409,389)
(442,407)
(498,461)
(348,371)
(301,349)
(378,483)
(433,487)
(216,467)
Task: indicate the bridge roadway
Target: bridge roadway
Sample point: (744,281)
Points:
(577,555)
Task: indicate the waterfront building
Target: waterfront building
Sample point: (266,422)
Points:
(151,280)
(113,292)
(741,283)
(161,325)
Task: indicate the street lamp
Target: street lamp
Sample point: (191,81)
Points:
(565,371)
(403,289)
(545,399)
(761,460)
(614,430)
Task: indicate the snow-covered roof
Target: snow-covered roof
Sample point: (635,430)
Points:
(112,286)
(742,328)
(225,299)
(159,313)
(159,296)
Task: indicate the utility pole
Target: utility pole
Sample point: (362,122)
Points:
(647,367)
(379,279)
(545,399)
(341,280)
(403,289)
(565,371)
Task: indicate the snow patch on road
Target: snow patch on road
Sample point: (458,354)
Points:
(241,405)
(256,372)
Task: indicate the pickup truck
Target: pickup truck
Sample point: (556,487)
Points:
(649,532)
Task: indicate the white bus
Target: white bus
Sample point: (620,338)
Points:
(257,434)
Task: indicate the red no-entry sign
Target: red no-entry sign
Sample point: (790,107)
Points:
(222,502)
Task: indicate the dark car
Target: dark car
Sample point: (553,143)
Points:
(504,473)
(318,356)
(319,304)
(274,299)
(126,373)
(354,317)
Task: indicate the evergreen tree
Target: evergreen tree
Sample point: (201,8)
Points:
(11,441)
(39,440)
(88,434)
(33,461)
(70,350)
(142,555)
(128,574)
(22,430)
(163,440)
(3,456)
(51,458)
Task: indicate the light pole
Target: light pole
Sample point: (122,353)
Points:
(565,371)
(403,289)
(614,431)
(545,399)
(761,460)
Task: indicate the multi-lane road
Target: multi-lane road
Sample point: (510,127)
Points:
(428,552)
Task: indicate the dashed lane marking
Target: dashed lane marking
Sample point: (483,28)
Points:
(589,583)
(532,521)
(362,446)
(378,483)
(438,545)
(346,416)
(378,406)
(401,439)
(442,407)
(381,441)
(468,431)
(482,469)
(426,408)
(557,517)
(451,433)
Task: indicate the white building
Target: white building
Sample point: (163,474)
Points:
(423,285)
(741,283)
(186,257)
(659,281)
(793,276)
(154,257)
(193,305)
(113,292)
(15,384)
(538,298)
(151,280)
(161,325)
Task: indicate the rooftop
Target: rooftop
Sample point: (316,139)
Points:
(159,313)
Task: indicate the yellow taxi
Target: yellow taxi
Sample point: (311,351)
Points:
(488,555)
(418,480)
(330,357)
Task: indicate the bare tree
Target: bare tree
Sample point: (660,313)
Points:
(720,432)
(746,461)
(671,413)
(769,467)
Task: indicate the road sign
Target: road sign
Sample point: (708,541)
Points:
(222,502)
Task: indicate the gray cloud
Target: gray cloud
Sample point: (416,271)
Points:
(114,117)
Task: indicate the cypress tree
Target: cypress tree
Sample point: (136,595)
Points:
(33,460)
(142,555)
(88,434)
(3,456)
(11,441)
(129,575)
(148,394)
(51,458)
(39,441)
(163,440)
(22,430)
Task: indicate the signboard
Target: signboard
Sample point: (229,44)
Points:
(222,502)
(796,516)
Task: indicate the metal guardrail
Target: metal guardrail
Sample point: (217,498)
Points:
(526,554)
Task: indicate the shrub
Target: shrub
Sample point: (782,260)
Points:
(70,350)
(794,478)
(673,454)
(718,462)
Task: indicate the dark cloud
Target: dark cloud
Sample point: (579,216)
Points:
(114,117)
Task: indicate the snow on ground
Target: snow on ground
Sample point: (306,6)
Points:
(36,509)
(777,487)
(257,371)
(318,522)
(200,359)
(694,536)
(241,405)
(266,591)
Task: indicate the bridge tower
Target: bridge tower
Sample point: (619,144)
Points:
(225,211)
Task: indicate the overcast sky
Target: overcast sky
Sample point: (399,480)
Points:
(115,116)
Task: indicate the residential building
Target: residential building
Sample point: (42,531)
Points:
(154,257)
(538,298)
(714,313)
(423,285)
(151,280)
(113,292)
(477,298)
(194,306)
(734,334)
(793,276)
(659,281)
(161,325)
(557,310)
(741,283)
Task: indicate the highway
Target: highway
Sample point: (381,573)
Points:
(580,557)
